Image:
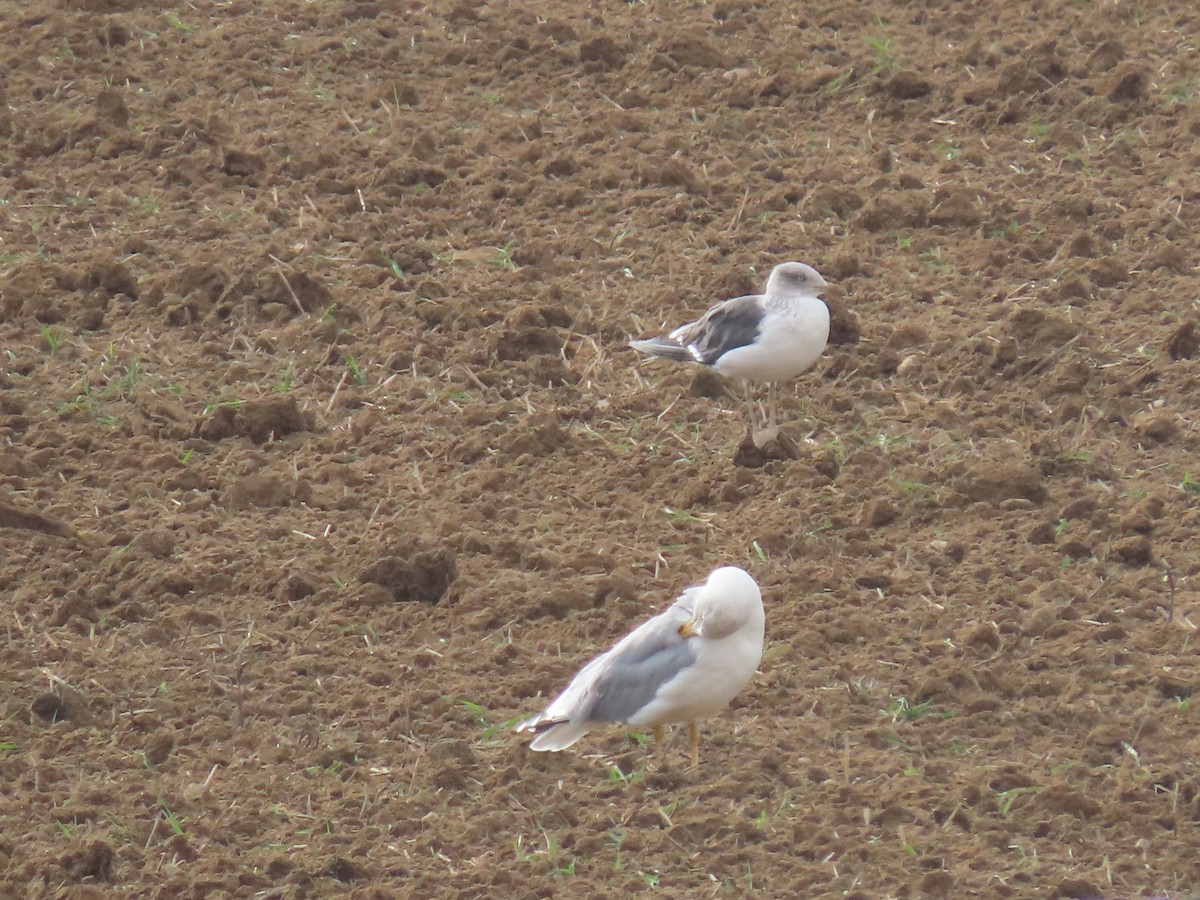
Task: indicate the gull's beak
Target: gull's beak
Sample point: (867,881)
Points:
(688,629)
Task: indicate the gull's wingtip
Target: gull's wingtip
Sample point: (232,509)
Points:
(662,347)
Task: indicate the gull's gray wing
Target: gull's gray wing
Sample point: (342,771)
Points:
(727,326)
(629,676)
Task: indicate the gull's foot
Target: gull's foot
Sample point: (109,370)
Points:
(775,444)
(764,436)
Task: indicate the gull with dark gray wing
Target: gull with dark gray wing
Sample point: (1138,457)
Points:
(760,337)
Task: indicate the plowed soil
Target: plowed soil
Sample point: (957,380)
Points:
(323,459)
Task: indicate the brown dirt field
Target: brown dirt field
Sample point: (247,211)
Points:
(322,458)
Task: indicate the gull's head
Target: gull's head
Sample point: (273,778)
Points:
(727,602)
(795,278)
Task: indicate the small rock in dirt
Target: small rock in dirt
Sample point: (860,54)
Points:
(1075,548)
(878,513)
(841,201)
(1106,56)
(939,883)
(603,51)
(985,634)
(259,420)
(523,343)
(31,521)
(1137,522)
(266,490)
(619,583)
(1077,889)
(295,588)
(708,384)
(1130,87)
(561,166)
(274,417)
(75,603)
(110,107)
(1108,272)
(159,748)
(875,581)
(242,163)
(97,863)
(1156,426)
(110,279)
(62,704)
(885,212)
(157,542)
(994,482)
(422,578)
(1042,533)
(559,31)
(959,208)
(1134,551)
(1060,799)
(343,870)
(1184,341)
(907,85)
(843,324)
(13,464)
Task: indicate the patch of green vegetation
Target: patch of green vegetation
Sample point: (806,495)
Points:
(835,85)
(503,258)
(357,374)
(1037,130)
(881,49)
(1006,799)
(393,267)
(171,817)
(901,710)
(617,776)
(53,338)
(490,729)
(935,259)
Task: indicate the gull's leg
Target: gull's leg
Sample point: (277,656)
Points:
(694,740)
(770,431)
(660,746)
(749,404)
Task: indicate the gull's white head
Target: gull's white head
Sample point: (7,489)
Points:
(794,278)
(728,601)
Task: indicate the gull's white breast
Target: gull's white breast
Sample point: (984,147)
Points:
(789,341)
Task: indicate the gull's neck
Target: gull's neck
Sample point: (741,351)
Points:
(789,301)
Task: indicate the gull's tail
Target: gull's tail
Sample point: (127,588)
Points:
(664,348)
(553,734)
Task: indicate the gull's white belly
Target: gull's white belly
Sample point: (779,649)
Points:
(705,688)
(788,344)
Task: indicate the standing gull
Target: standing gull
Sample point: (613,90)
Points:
(760,337)
(684,664)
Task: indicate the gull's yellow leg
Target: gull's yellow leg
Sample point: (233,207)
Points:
(694,740)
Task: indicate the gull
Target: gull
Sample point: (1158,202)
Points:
(760,337)
(684,664)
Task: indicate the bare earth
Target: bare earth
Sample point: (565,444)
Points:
(323,460)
